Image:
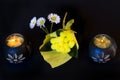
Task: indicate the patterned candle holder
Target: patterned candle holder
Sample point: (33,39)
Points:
(102,48)
(16,49)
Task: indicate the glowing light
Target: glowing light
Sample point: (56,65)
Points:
(14,40)
(102,41)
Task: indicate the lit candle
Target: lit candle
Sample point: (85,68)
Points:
(102,48)
(14,40)
(102,41)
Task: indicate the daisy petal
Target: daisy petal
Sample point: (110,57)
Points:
(32,23)
(41,22)
(54,18)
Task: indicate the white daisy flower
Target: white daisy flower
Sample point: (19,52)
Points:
(41,22)
(32,23)
(54,18)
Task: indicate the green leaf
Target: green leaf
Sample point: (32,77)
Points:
(58,32)
(46,44)
(69,24)
(54,58)
(46,47)
(53,34)
(64,20)
(74,52)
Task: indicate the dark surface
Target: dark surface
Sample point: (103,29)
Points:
(91,18)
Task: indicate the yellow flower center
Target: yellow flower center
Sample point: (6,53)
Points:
(41,22)
(33,22)
(53,18)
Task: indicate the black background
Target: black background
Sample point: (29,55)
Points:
(92,17)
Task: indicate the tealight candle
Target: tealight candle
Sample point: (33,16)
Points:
(15,40)
(102,48)
(16,48)
(102,41)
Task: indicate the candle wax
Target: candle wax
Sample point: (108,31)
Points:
(102,41)
(14,40)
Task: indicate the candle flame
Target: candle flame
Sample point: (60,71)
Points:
(14,40)
(102,41)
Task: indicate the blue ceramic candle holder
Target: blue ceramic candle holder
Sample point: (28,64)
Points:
(102,48)
(16,49)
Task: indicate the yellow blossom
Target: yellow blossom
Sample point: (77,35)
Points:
(60,46)
(64,42)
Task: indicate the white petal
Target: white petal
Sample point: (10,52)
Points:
(20,56)
(8,59)
(11,57)
(97,56)
(49,16)
(102,55)
(15,55)
(101,60)
(41,19)
(107,56)
(15,60)
(58,20)
(93,58)
(54,21)
(32,23)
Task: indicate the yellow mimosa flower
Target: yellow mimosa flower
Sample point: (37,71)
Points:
(64,42)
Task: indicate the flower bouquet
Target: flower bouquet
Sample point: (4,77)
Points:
(59,46)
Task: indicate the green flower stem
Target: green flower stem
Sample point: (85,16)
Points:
(64,21)
(44,30)
(51,27)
